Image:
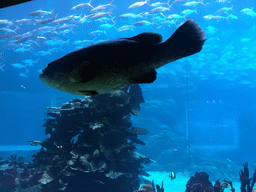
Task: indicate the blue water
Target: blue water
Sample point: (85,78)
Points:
(208,98)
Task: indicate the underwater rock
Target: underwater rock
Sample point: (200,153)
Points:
(34,143)
(146,188)
(113,140)
(150,187)
(88,148)
(50,174)
(88,138)
(7,179)
(200,183)
(247,183)
(18,174)
(14,160)
(96,154)
(2,161)
(139,130)
(135,140)
(91,181)
(140,158)
(217,187)
(96,125)
(53,114)
(114,175)
(136,98)
(126,120)
(48,130)
(142,172)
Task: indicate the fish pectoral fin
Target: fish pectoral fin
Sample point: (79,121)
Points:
(89,92)
(75,75)
(83,73)
(147,77)
(87,73)
(149,38)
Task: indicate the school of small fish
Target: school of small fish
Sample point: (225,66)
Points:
(51,30)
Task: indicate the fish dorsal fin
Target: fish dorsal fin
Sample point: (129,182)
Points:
(147,38)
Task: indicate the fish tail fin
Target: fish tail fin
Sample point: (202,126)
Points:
(1,67)
(72,31)
(187,40)
(110,3)
(52,12)
(202,2)
(55,16)
(89,4)
(112,19)
(109,11)
(168,4)
(162,15)
(36,43)
(16,29)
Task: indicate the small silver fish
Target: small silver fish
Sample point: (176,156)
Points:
(138,4)
(40,12)
(101,7)
(48,20)
(82,5)
(63,20)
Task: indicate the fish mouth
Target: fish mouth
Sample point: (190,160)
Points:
(50,80)
(44,79)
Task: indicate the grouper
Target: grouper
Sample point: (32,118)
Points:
(111,65)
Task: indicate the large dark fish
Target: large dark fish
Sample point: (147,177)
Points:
(110,65)
(7,3)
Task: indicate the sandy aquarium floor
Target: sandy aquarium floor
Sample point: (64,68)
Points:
(178,184)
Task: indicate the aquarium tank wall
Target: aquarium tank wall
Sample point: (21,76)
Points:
(130,92)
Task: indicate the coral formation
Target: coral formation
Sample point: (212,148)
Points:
(15,173)
(246,184)
(150,188)
(91,144)
(146,188)
(199,183)
(91,148)
(217,187)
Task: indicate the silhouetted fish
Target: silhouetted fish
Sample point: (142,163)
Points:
(110,65)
